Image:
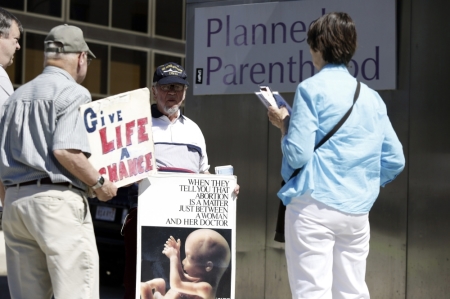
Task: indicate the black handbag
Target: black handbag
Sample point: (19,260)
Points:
(279,230)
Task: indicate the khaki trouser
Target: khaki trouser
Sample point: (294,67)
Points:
(50,243)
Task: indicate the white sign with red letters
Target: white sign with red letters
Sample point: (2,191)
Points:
(119,130)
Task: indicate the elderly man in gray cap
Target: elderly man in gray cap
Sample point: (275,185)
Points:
(50,243)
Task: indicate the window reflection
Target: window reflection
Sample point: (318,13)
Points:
(130,15)
(45,7)
(169,18)
(128,70)
(13,4)
(97,75)
(95,12)
(160,59)
(34,55)
(95,98)
(115,69)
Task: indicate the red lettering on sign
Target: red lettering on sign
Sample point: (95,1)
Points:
(102,171)
(148,162)
(128,168)
(140,167)
(132,170)
(107,146)
(112,172)
(119,137)
(122,171)
(129,128)
(111,145)
(142,134)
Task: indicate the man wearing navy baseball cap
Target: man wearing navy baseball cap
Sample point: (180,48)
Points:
(169,88)
(170,73)
(179,147)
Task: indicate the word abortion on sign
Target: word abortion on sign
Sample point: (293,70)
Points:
(120,136)
(185,206)
(239,46)
(209,204)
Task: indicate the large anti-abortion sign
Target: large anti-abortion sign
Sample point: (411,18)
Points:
(239,47)
(186,236)
(119,130)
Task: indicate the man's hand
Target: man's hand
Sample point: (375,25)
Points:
(236,189)
(78,165)
(107,191)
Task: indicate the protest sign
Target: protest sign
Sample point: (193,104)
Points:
(119,131)
(199,211)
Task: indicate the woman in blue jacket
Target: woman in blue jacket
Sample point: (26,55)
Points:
(327,204)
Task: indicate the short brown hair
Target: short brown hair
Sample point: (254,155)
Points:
(6,19)
(334,36)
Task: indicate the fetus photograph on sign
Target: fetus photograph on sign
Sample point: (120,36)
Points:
(186,236)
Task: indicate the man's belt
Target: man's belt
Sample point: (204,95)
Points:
(46,181)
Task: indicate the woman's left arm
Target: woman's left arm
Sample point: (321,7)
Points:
(298,130)
(392,157)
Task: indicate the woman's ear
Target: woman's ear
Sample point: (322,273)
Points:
(209,266)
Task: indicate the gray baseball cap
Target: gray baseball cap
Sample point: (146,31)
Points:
(71,39)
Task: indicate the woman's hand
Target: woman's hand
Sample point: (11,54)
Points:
(277,115)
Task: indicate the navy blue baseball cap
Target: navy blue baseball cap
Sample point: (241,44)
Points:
(170,73)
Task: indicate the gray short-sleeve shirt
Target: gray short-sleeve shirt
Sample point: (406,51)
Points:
(40,117)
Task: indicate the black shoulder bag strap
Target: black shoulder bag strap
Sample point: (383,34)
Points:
(279,231)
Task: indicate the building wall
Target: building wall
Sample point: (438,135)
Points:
(129,40)
(409,255)
(428,259)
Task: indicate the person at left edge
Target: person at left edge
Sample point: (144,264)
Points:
(10,31)
(50,242)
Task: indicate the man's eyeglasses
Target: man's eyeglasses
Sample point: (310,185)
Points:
(88,59)
(175,87)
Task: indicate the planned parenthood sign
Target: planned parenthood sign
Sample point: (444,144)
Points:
(239,47)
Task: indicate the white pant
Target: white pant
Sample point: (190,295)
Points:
(50,243)
(326,251)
